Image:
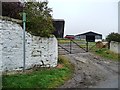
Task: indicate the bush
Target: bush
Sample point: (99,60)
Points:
(113,37)
(39,19)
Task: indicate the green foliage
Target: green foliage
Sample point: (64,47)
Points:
(113,37)
(39,19)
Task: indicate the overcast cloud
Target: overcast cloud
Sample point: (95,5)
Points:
(87,15)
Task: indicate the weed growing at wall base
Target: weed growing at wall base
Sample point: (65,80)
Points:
(41,78)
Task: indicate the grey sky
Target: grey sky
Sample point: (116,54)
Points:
(87,15)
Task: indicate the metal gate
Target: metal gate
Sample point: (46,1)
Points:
(70,46)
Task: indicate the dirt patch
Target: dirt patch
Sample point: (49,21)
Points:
(59,66)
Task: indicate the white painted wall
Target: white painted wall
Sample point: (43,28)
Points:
(42,52)
(96,40)
(115,46)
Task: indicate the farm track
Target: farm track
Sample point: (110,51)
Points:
(91,71)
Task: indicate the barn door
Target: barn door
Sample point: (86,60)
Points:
(90,38)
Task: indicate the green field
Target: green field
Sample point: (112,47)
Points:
(62,41)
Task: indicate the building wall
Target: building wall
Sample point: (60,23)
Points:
(59,28)
(83,37)
(41,52)
(115,47)
(77,37)
(98,37)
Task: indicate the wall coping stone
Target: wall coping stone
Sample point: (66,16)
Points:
(10,19)
(115,42)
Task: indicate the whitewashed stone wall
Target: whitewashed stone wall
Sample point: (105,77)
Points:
(115,46)
(42,52)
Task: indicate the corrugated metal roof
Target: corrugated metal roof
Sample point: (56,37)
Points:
(89,33)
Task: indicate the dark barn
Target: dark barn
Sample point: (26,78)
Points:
(89,36)
(59,28)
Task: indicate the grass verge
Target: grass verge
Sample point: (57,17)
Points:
(105,53)
(41,78)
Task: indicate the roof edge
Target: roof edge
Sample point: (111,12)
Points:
(58,19)
(89,32)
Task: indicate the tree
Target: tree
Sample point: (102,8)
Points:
(39,19)
(113,37)
(12,9)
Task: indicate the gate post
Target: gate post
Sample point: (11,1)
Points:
(87,46)
(70,46)
(24,27)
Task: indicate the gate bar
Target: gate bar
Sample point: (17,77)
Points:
(78,45)
(64,48)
